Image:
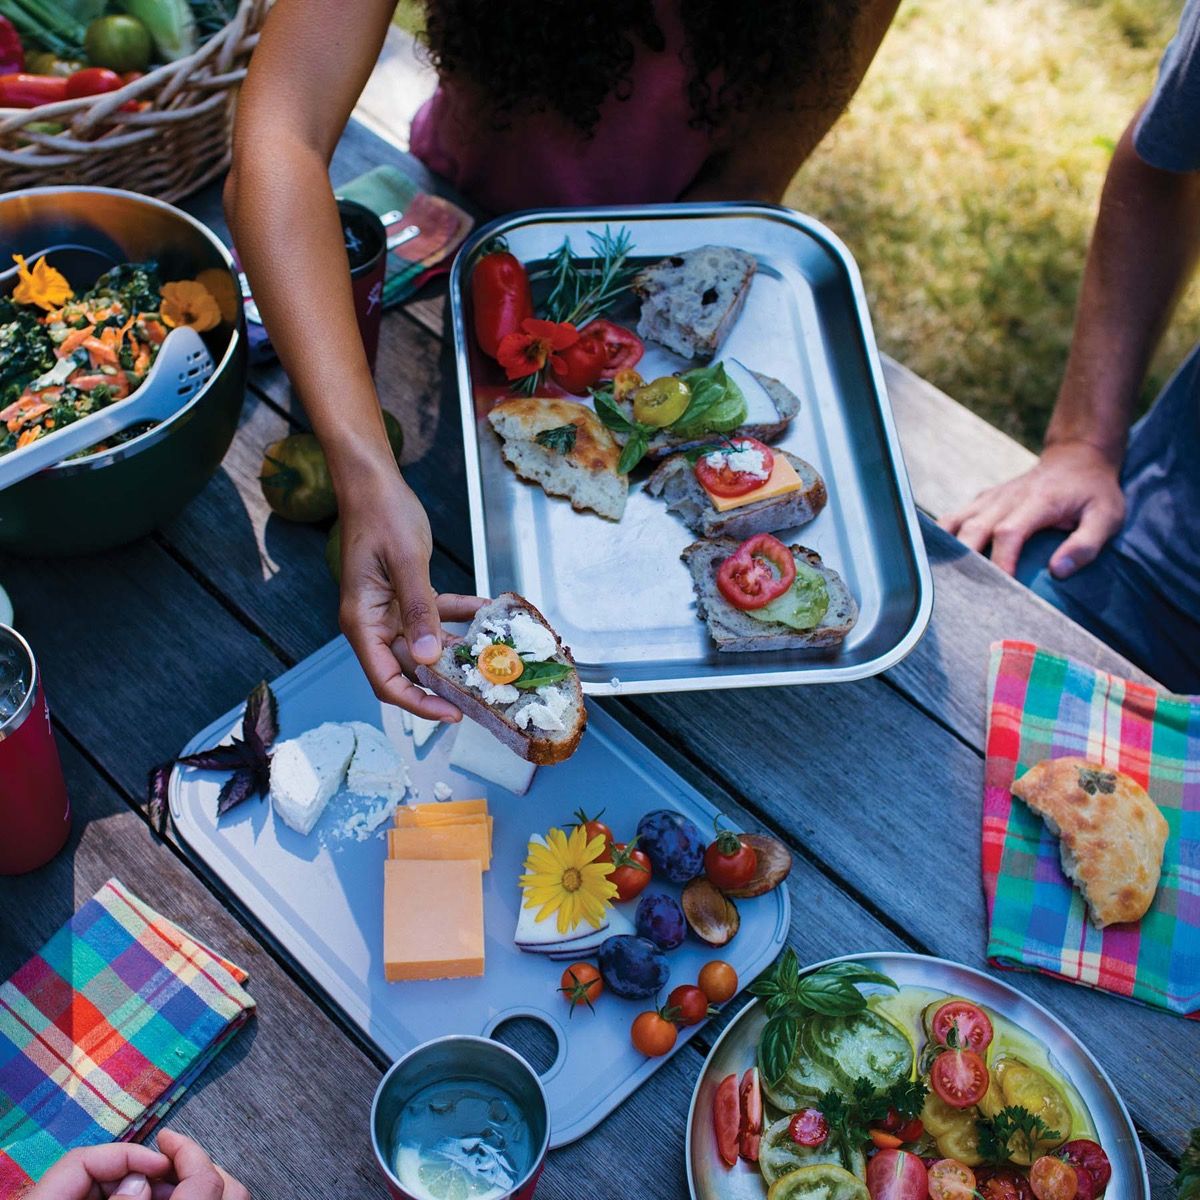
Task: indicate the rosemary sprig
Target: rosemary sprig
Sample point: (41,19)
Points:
(581,291)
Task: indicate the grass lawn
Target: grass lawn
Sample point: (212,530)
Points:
(965,178)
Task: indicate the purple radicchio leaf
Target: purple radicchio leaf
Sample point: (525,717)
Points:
(260,722)
(222,758)
(156,795)
(240,786)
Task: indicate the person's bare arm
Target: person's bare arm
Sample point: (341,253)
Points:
(769,148)
(1143,250)
(305,78)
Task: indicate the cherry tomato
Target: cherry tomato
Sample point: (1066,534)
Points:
(907,1129)
(622,347)
(578,367)
(723,480)
(809,1128)
(1053,1179)
(972,1025)
(897,1175)
(718,981)
(884,1140)
(581,983)
(761,569)
(93,81)
(729,862)
(499,663)
(631,870)
(1088,1155)
(653,1035)
(959,1077)
(691,1005)
(661,402)
(951,1180)
(727,1116)
(751,1125)
(1002,1183)
(625,383)
(594,828)
(500,298)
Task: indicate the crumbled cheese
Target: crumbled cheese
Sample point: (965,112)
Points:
(442,791)
(743,458)
(493,693)
(480,644)
(548,714)
(531,639)
(361,825)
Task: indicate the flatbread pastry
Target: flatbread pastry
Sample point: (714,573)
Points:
(1111,834)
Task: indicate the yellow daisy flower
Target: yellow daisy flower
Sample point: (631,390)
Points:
(564,877)
(189,302)
(40,284)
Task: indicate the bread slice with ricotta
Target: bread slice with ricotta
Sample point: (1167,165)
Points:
(563,447)
(543,725)
(307,770)
(674,480)
(734,630)
(691,300)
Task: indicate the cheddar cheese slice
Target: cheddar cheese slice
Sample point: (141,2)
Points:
(445,842)
(420,814)
(782,480)
(432,919)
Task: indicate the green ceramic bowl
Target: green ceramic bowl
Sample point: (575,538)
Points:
(106,499)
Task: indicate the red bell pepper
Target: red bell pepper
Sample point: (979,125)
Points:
(12,53)
(31,91)
(92,81)
(500,298)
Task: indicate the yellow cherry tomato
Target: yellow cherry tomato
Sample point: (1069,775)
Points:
(625,382)
(661,402)
(500,664)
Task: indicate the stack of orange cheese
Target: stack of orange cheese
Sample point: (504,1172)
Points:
(433,890)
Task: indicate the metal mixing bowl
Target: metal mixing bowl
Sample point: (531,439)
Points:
(112,497)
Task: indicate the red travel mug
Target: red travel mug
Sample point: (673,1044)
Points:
(35,814)
(366,248)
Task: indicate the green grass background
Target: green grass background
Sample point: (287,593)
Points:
(965,176)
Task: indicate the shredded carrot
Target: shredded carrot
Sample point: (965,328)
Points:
(30,435)
(99,352)
(74,340)
(155,332)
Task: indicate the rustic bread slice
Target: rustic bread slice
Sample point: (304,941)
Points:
(448,677)
(675,481)
(582,467)
(1111,833)
(733,630)
(690,300)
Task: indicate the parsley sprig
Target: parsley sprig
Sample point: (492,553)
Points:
(790,997)
(851,1118)
(1187,1182)
(1013,1131)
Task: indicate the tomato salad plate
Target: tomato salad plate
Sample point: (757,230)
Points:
(900,1077)
(680,447)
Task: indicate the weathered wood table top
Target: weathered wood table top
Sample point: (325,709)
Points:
(143,646)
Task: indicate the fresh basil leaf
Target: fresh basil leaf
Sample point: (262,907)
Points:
(560,438)
(778,1045)
(222,758)
(260,721)
(830,996)
(857,973)
(240,786)
(610,413)
(541,674)
(707,391)
(633,452)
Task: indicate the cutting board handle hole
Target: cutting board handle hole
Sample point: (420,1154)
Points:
(533,1038)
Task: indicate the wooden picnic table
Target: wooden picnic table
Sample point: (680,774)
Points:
(876,785)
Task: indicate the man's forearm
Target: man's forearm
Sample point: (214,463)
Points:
(1142,253)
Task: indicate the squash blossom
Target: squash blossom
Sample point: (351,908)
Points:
(41,285)
(188,302)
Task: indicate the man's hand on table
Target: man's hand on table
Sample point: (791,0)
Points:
(1074,487)
(178,1170)
(389,611)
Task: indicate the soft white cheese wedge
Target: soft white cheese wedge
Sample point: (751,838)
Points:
(540,937)
(478,751)
(377,770)
(423,729)
(593,939)
(307,770)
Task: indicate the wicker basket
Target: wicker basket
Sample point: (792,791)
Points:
(167,150)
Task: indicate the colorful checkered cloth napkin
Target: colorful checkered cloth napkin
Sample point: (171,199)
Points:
(103,1029)
(1043,706)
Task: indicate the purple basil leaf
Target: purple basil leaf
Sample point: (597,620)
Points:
(156,795)
(241,785)
(260,722)
(222,758)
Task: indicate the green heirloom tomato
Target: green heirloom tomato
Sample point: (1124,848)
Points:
(118,42)
(295,479)
(661,402)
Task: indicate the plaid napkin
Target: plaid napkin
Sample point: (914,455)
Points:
(102,1031)
(1043,706)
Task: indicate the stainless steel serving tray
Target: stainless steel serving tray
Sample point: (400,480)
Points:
(735,1050)
(617,592)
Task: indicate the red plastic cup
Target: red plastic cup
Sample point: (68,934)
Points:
(366,248)
(467,1060)
(35,813)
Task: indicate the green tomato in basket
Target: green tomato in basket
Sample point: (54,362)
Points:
(118,42)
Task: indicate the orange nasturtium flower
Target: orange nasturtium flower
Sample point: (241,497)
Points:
(40,284)
(187,302)
(527,351)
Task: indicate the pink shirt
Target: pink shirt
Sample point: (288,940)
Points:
(643,149)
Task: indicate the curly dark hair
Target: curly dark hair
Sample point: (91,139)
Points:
(743,57)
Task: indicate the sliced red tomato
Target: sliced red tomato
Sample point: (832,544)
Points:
(723,480)
(809,1128)
(897,1175)
(960,1078)
(580,365)
(1053,1179)
(727,1119)
(1002,1183)
(750,1129)
(972,1025)
(950,1179)
(1088,1155)
(758,571)
(623,348)
(907,1129)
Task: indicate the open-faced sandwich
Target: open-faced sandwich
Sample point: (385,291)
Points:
(513,675)
(691,300)
(564,447)
(763,595)
(738,486)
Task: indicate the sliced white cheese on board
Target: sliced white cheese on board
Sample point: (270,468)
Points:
(478,751)
(539,937)
(378,769)
(617,923)
(423,729)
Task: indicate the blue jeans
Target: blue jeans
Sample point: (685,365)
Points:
(1141,595)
